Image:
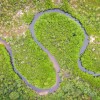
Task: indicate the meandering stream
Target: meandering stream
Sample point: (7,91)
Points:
(52,58)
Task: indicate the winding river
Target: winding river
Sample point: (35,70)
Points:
(52,58)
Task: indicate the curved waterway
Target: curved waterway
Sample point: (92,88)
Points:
(52,58)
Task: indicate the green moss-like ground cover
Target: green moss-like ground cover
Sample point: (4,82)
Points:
(89,11)
(11,86)
(33,63)
(90,59)
(63,37)
(72,88)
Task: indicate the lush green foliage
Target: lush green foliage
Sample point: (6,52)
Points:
(63,37)
(89,11)
(33,63)
(72,87)
(90,59)
(12,87)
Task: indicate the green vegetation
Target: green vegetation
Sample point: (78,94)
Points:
(75,84)
(90,59)
(11,86)
(90,11)
(33,63)
(63,38)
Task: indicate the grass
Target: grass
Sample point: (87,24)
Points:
(90,18)
(12,87)
(10,83)
(90,59)
(72,87)
(63,38)
(33,63)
